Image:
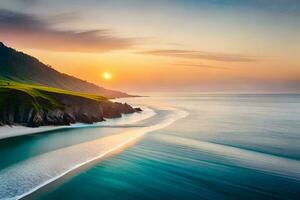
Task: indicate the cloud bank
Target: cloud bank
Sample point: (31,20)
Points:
(32,32)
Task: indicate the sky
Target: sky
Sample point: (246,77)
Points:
(166,45)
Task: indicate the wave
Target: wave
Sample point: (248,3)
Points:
(28,176)
(280,166)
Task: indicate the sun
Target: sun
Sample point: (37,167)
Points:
(106,75)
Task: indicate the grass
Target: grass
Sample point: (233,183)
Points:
(36,95)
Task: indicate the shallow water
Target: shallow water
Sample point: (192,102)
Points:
(228,147)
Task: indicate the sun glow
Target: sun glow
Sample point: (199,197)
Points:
(106,76)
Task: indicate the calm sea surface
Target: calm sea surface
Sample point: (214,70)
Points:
(227,147)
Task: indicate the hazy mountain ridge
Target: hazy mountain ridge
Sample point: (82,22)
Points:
(20,67)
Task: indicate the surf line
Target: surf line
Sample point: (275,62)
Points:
(137,134)
(118,147)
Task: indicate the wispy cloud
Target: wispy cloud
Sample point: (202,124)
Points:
(64,17)
(200,65)
(33,32)
(200,55)
(30,2)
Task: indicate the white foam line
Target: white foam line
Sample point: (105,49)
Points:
(137,134)
(77,166)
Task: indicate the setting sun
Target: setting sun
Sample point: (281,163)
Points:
(106,75)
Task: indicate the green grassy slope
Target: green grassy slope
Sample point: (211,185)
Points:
(36,94)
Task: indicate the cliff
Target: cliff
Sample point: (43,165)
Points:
(35,106)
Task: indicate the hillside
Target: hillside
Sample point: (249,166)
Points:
(20,67)
(33,105)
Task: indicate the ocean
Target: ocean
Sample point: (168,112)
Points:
(183,146)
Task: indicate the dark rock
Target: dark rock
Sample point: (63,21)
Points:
(138,110)
(74,109)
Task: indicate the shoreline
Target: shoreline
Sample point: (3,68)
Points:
(7,131)
(101,148)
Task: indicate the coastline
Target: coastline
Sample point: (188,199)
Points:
(84,153)
(18,130)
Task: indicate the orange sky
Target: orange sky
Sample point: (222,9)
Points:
(155,46)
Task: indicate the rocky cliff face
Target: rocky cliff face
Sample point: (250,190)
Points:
(25,110)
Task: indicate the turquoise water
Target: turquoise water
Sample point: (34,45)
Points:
(228,147)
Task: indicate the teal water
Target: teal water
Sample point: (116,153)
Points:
(228,147)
